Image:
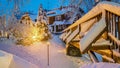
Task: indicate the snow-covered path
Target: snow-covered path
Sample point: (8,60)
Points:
(37,54)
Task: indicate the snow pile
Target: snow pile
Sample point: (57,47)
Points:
(79,61)
(5,59)
(101,65)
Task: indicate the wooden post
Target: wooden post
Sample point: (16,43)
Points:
(93,56)
(119,27)
(107,24)
(119,30)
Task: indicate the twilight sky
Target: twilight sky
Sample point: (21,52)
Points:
(47,4)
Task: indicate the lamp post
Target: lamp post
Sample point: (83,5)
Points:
(48,60)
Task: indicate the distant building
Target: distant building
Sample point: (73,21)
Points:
(25,19)
(62,17)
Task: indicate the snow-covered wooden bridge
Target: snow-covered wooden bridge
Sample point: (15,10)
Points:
(97,31)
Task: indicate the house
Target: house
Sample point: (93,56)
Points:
(25,19)
(61,18)
(55,15)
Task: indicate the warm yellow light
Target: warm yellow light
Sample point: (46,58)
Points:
(34,37)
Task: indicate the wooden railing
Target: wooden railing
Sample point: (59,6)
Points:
(73,34)
(113,28)
(110,13)
(96,11)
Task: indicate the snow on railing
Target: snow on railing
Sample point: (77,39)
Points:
(112,18)
(101,14)
(73,34)
(96,11)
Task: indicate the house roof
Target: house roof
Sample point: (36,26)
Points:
(57,12)
(61,22)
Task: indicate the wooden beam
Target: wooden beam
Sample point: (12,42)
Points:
(93,57)
(119,27)
(104,52)
(67,34)
(76,44)
(94,33)
(77,38)
(116,56)
(91,14)
(62,35)
(73,34)
(107,59)
(110,53)
(102,47)
(94,12)
(108,5)
(114,39)
(102,44)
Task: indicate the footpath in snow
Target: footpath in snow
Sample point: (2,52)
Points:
(37,54)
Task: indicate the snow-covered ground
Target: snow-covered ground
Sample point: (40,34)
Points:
(37,54)
(101,65)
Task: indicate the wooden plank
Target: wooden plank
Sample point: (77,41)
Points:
(102,44)
(92,35)
(76,44)
(112,26)
(62,35)
(73,35)
(108,22)
(93,57)
(104,52)
(116,56)
(116,23)
(107,59)
(64,38)
(91,14)
(119,30)
(76,39)
(119,27)
(108,5)
(102,47)
(110,53)
(87,25)
(114,39)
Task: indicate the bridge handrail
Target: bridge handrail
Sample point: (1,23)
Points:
(105,5)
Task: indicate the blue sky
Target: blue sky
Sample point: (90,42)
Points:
(47,4)
(32,5)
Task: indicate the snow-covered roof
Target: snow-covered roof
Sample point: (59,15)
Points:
(61,22)
(57,12)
